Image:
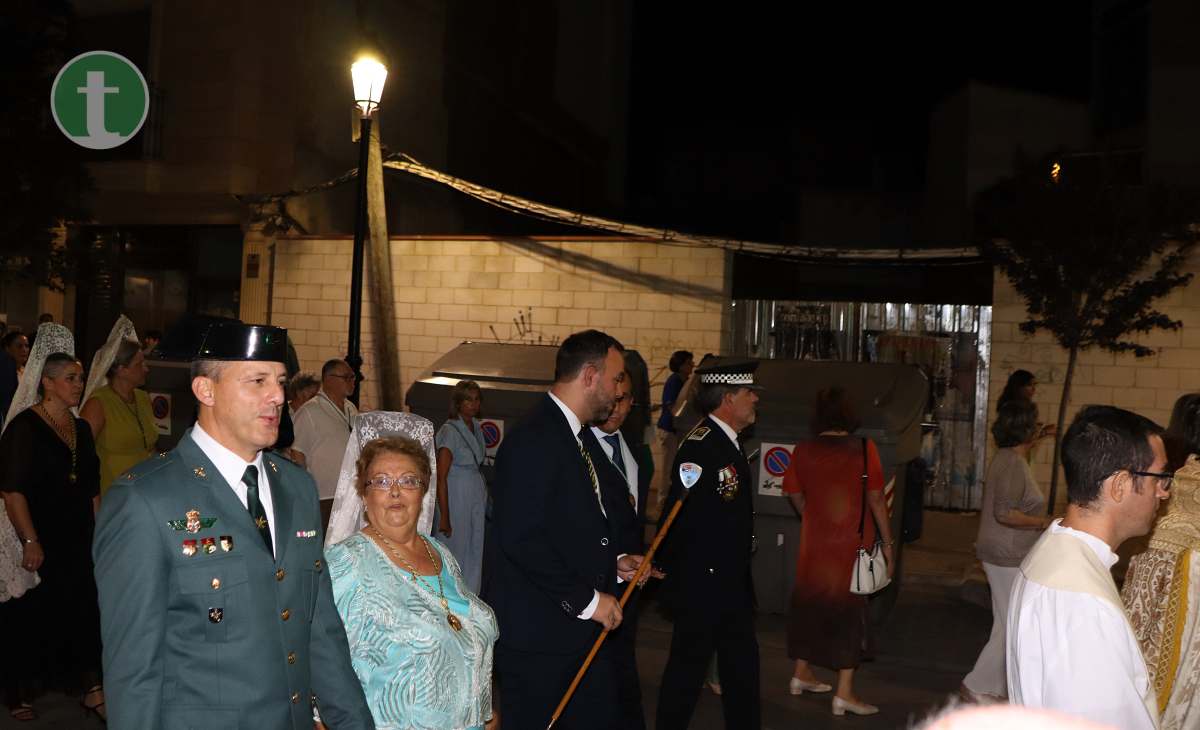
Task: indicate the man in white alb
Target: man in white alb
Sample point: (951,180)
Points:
(1070,645)
(323,426)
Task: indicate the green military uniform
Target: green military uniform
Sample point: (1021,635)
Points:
(202,626)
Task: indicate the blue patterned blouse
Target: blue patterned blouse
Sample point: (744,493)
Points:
(417,672)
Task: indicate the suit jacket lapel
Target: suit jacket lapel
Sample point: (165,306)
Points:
(283,505)
(208,476)
(569,442)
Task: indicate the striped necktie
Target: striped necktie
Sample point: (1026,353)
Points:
(591,470)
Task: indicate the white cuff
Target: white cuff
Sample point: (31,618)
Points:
(586,613)
(620,580)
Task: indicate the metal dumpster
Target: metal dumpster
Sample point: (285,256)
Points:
(889,400)
(511,377)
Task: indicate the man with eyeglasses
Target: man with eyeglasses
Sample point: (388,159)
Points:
(323,426)
(1070,645)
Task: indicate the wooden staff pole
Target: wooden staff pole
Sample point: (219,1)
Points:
(637,576)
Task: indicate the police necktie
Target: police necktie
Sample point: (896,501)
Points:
(614,440)
(591,467)
(257,513)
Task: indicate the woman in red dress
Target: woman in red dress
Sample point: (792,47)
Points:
(827,623)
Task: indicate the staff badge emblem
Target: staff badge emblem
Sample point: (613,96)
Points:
(727,483)
(215,615)
(227,542)
(689,474)
(209,545)
(189,548)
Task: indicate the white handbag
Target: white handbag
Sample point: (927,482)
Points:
(870,572)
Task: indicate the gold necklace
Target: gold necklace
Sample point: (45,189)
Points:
(451,619)
(67,438)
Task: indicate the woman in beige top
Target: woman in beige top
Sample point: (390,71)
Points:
(1010,522)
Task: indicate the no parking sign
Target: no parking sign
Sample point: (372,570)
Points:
(160,404)
(772,465)
(493,435)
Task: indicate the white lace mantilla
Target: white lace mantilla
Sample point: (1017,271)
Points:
(347,516)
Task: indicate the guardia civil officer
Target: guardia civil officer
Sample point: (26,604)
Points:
(216,608)
(706,556)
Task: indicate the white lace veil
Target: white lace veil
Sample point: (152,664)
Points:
(104,357)
(50,338)
(347,516)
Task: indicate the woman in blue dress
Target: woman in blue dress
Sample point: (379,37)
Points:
(461,491)
(420,641)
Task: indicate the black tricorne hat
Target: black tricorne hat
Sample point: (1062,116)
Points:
(738,374)
(234,341)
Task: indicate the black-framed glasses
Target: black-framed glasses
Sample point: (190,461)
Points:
(1164,479)
(349,377)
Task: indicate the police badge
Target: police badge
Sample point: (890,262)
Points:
(727,483)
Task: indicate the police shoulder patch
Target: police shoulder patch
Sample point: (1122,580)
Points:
(698,433)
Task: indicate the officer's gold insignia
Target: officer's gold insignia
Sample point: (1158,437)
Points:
(727,483)
(199,471)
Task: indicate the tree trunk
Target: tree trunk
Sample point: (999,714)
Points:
(1058,434)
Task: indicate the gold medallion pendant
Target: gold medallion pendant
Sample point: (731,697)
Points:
(454,622)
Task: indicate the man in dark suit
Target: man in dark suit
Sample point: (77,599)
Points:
(558,558)
(618,472)
(706,556)
(216,608)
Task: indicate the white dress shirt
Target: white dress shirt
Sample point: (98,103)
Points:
(1075,652)
(232,467)
(631,467)
(728,431)
(576,426)
(322,431)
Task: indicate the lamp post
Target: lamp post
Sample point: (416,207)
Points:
(369,76)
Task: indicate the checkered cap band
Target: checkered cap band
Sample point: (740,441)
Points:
(727,378)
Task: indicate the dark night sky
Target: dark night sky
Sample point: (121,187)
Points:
(861,77)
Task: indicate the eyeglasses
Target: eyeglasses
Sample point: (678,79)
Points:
(349,377)
(1164,479)
(384,483)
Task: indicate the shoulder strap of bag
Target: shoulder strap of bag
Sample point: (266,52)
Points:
(862,512)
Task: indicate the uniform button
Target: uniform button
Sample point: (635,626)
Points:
(285,614)
(216,584)
(279,574)
(295,698)
(317,565)
(291,657)
(604,541)
(711,571)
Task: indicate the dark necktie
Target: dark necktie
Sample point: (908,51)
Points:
(257,513)
(614,440)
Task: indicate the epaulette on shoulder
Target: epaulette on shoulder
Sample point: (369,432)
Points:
(698,433)
(145,468)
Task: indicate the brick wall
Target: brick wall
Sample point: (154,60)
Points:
(1148,385)
(655,298)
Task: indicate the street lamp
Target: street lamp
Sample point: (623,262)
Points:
(369,76)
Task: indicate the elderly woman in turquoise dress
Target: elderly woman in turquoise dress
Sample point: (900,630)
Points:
(420,640)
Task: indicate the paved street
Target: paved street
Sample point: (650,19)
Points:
(928,643)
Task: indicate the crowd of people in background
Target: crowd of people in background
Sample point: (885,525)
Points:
(417,615)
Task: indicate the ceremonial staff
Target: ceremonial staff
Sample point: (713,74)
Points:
(637,577)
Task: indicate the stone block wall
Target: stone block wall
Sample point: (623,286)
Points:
(653,297)
(1147,385)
